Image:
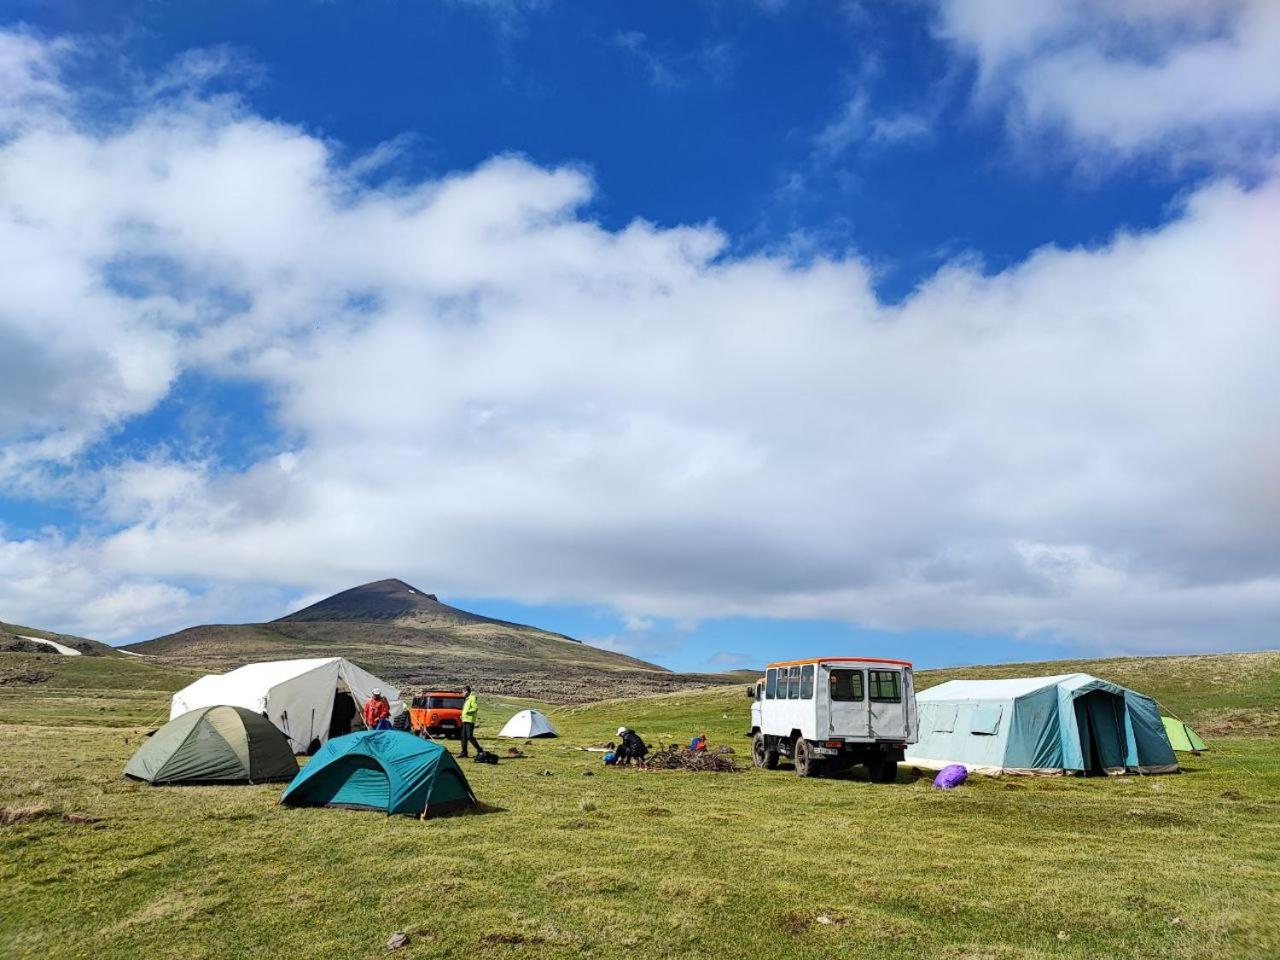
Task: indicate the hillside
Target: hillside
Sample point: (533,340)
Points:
(638,864)
(15,638)
(1221,695)
(410,637)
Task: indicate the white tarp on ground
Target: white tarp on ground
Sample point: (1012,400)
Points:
(296,695)
(60,647)
(528,723)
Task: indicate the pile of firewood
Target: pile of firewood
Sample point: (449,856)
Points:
(676,757)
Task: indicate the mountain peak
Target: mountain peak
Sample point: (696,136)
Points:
(387,599)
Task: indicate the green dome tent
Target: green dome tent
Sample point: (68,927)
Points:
(383,770)
(217,744)
(1181,736)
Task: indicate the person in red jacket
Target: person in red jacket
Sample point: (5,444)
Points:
(377,712)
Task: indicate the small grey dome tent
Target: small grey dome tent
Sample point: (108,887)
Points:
(1072,723)
(528,724)
(217,744)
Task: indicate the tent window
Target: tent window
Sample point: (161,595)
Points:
(846,685)
(886,686)
(782,684)
(793,688)
(944,718)
(806,683)
(986,719)
(770,683)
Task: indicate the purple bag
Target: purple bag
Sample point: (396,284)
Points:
(950,777)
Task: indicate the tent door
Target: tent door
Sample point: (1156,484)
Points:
(344,711)
(1100,721)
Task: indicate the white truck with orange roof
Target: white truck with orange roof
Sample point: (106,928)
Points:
(830,713)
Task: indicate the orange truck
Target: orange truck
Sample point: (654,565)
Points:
(437,712)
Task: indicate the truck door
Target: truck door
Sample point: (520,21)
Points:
(846,695)
(886,695)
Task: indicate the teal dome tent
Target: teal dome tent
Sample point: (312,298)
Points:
(218,744)
(382,770)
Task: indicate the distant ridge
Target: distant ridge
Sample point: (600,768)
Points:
(19,639)
(392,599)
(408,636)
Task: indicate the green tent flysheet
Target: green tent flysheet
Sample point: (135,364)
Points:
(383,770)
(218,744)
(1181,736)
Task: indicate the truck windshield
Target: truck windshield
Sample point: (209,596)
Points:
(846,685)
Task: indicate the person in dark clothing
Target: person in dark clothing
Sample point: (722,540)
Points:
(470,715)
(631,747)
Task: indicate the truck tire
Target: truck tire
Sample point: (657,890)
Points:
(762,757)
(882,770)
(807,765)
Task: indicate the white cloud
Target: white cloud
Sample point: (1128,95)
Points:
(488,393)
(856,125)
(1177,79)
(669,69)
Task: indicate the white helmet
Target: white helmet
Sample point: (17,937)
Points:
(621,731)
(377,691)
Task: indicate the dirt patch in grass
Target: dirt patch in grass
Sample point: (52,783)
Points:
(509,938)
(796,922)
(1240,723)
(587,880)
(14,815)
(24,678)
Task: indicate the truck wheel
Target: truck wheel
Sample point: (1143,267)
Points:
(762,757)
(807,765)
(882,771)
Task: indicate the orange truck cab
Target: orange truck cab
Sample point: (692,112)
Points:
(436,712)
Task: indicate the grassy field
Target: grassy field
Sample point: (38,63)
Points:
(632,863)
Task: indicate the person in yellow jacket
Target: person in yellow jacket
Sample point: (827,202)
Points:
(470,714)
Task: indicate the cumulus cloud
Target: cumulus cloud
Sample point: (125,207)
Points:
(1176,79)
(489,393)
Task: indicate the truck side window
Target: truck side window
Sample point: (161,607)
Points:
(793,688)
(782,683)
(846,685)
(770,683)
(806,682)
(886,686)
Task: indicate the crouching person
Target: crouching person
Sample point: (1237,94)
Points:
(631,748)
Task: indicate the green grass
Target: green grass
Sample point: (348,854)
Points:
(106,691)
(637,864)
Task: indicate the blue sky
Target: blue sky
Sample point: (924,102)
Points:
(712,332)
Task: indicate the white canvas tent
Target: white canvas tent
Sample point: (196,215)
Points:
(527,724)
(298,696)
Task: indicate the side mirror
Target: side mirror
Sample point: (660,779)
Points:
(751,693)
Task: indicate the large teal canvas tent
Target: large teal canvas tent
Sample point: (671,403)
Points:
(1073,723)
(383,770)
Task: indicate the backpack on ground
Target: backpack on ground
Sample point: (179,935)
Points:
(484,756)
